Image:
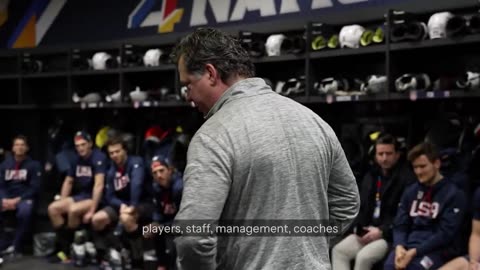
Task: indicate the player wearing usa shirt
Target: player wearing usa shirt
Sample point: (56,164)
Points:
(81,193)
(429,215)
(126,194)
(167,195)
(19,184)
(125,188)
(472,261)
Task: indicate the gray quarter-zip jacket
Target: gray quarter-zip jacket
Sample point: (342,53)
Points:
(262,156)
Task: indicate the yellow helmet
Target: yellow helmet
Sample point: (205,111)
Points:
(102,136)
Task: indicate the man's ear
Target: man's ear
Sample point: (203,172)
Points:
(437,163)
(212,74)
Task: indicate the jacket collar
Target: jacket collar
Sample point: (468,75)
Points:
(243,88)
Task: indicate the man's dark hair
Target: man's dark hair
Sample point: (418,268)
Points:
(21,137)
(115,141)
(388,139)
(212,46)
(427,149)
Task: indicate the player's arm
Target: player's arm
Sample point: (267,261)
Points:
(112,199)
(98,190)
(343,195)
(35,174)
(474,245)
(99,170)
(3,194)
(66,187)
(68,183)
(137,178)
(206,186)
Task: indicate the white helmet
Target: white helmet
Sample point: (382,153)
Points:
(437,24)
(331,85)
(138,95)
(152,58)
(350,36)
(88,98)
(274,44)
(184,92)
(115,97)
(470,80)
(375,84)
(292,86)
(99,60)
(408,82)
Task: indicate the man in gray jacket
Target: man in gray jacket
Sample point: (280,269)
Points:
(258,156)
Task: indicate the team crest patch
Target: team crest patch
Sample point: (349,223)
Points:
(420,194)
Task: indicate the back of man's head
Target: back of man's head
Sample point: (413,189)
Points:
(212,46)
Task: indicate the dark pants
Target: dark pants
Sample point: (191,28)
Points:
(23,216)
(164,248)
(434,260)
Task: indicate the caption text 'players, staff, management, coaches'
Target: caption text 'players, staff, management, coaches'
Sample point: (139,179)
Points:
(242,230)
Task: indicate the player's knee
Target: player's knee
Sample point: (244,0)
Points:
(338,250)
(99,221)
(25,206)
(74,211)
(53,209)
(363,257)
(24,212)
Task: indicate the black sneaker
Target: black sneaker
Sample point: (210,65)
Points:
(114,261)
(126,259)
(78,253)
(150,260)
(8,250)
(91,253)
(11,254)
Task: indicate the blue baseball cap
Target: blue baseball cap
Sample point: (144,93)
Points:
(82,135)
(160,161)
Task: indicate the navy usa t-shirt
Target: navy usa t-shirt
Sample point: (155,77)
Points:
(125,185)
(83,171)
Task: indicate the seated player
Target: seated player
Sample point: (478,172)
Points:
(20,178)
(167,194)
(472,261)
(429,215)
(380,194)
(81,192)
(124,193)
